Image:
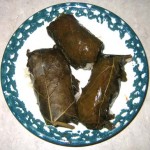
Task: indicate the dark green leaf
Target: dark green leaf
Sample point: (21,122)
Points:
(52,81)
(100,92)
(78,44)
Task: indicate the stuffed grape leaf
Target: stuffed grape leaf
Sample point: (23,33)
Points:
(78,44)
(54,86)
(101,90)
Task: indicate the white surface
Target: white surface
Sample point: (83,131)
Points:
(14,136)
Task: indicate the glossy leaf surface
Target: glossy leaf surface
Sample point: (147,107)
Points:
(78,44)
(101,91)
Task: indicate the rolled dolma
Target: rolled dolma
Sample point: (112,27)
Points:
(52,81)
(101,90)
(79,45)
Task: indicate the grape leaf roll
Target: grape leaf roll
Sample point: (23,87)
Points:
(78,44)
(53,85)
(102,89)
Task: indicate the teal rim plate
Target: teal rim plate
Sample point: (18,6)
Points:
(118,37)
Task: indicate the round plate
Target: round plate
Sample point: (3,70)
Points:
(118,38)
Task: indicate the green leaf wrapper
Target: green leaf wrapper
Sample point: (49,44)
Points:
(54,86)
(101,91)
(79,45)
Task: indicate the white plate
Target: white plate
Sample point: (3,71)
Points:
(118,38)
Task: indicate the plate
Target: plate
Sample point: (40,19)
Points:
(118,38)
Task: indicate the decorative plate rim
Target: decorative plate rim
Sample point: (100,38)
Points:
(35,132)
